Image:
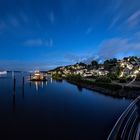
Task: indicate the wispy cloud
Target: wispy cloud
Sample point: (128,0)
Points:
(24,17)
(134,19)
(116,46)
(114,22)
(3,25)
(76,58)
(14,21)
(49,42)
(39,43)
(89,30)
(51,17)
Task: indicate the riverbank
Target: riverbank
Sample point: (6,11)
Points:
(110,89)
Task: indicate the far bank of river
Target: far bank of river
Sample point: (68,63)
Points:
(111,89)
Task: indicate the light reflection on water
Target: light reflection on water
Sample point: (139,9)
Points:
(39,84)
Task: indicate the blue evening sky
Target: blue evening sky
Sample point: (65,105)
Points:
(43,34)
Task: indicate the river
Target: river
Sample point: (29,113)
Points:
(55,110)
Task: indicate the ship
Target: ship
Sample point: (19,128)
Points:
(38,76)
(3,72)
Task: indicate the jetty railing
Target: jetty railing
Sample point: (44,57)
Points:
(127,125)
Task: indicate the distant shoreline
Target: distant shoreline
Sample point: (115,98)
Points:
(110,89)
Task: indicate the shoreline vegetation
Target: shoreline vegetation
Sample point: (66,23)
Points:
(104,86)
(109,89)
(117,78)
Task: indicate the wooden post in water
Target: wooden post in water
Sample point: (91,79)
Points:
(14,86)
(14,95)
(23,82)
(23,87)
(30,77)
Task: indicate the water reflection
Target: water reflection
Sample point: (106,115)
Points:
(30,84)
(3,74)
(51,80)
(39,84)
(79,88)
(42,84)
(46,83)
(14,101)
(36,86)
(13,74)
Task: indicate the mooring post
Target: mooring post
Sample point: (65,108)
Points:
(14,86)
(30,77)
(23,81)
(23,87)
(14,95)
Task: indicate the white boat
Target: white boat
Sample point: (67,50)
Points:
(3,72)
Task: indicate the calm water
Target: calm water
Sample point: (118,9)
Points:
(55,110)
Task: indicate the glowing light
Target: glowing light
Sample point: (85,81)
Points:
(129,67)
(136,72)
(122,64)
(121,75)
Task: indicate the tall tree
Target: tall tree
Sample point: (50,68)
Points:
(95,64)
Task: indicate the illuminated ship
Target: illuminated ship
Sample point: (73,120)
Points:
(38,76)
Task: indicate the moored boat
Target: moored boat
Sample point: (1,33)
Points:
(3,72)
(38,76)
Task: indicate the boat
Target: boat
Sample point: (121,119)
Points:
(38,76)
(3,72)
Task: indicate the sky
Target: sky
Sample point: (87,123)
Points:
(44,34)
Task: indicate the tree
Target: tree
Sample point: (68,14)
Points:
(109,64)
(95,64)
(82,64)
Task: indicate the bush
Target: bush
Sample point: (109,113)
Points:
(122,80)
(89,82)
(103,79)
(138,77)
(74,77)
(130,78)
(57,76)
(113,76)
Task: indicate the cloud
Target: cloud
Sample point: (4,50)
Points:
(51,17)
(3,25)
(114,22)
(116,46)
(76,58)
(89,30)
(123,16)
(23,17)
(49,42)
(14,21)
(134,19)
(38,43)
(113,48)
